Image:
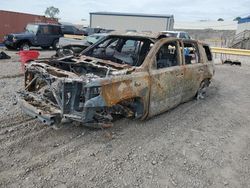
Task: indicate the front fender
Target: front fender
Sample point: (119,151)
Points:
(125,87)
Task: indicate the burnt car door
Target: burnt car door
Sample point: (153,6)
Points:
(194,69)
(166,75)
(42,36)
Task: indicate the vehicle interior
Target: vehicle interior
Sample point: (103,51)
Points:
(167,55)
(191,53)
(123,50)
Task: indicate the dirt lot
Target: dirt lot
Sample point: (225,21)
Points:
(198,144)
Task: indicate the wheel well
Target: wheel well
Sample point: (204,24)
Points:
(53,44)
(207,81)
(136,105)
(23,41)
(55,41)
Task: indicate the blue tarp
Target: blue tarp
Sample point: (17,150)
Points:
(244,20)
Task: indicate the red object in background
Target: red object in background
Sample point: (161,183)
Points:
(27,56)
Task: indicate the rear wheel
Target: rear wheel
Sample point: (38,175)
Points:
(201,93)
(24,46)
(56,44)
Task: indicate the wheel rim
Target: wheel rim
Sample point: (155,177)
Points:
(202,91)
(25,47)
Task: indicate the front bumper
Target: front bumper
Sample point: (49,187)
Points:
(36,112)
(51,115)
(51,96)
(10,43)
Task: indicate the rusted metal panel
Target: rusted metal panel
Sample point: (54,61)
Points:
(15,22)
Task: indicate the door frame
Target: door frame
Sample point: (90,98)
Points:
(153,70)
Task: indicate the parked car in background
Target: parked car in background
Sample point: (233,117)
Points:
(71,30)
(135,75)
(69,46)
(177,34)
(91,31)
(38,35)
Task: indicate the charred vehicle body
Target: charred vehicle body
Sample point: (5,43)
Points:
(134,75)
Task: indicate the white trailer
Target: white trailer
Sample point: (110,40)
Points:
(131,22)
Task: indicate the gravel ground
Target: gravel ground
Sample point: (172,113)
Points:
(202,143)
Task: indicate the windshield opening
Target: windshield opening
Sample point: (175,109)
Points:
(92,39)
(122,50)
(31,28)
(172,34)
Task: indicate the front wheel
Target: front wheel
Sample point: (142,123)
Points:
(25,46)
(56,44)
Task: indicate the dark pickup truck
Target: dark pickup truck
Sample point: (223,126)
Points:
(39,35)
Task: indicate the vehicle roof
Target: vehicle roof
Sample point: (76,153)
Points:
(66,23)
(45,24)
(149,35)
(99,34)
(136,34)
(173,31)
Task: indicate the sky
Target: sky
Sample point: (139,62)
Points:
(76,10)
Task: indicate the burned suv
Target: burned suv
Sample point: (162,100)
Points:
(134,75)
(39,35)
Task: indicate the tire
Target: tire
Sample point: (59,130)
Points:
(56,44)
(24,46)
(201,93)
(64,52)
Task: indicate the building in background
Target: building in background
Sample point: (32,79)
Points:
(243,25)
(242,38)
(14,22)
(131,22)
(206,24)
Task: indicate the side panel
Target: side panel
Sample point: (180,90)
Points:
(166,83)
(194,74)
(166,89)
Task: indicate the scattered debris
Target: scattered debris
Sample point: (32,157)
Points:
(154,162)
(230,62)
(3,55)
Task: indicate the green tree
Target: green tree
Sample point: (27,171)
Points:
(51,12)
(220,20)
(237,18)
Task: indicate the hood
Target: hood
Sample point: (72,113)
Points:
(81,67)
(23,34)
(63,42)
